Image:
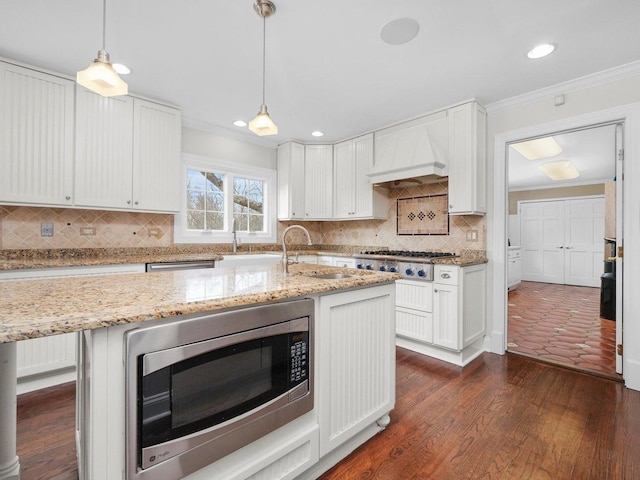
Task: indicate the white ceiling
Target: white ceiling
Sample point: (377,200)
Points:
(327,67)
(592,152)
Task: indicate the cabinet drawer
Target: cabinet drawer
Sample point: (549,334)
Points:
(415,325)
(446,274)
(415,295)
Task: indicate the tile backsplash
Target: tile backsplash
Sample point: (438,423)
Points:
(20,228)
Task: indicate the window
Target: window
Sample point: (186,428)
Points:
(220,197)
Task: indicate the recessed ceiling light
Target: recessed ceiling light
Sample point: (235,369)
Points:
(121,69)
(562,170)
(240,123)
(399,31)
(317,133)
(539,148)
(540,51)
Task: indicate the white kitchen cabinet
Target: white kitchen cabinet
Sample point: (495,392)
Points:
(346,262)
(467,160)
(47,361)
(290,181)
(514,267)
(355,366)
(326,260)
(318,182)
(127,153)
(36,137)
(355,197)
(444,319)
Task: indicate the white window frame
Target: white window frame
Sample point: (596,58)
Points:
(229,170)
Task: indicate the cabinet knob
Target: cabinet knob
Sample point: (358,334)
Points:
(67,197)
(450,206)
(445,275)
(128,202)
(135,203)
(435,290)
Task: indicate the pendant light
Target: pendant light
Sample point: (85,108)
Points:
(262,123)
(100,76)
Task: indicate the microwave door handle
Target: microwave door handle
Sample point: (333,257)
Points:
(155,361)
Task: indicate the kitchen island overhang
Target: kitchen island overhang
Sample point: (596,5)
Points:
(99,303)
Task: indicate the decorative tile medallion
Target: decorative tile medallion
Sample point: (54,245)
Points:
(428,215)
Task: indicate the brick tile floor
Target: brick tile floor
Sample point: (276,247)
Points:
(562,324)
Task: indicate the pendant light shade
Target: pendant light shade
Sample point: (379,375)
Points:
(262,124)
(100,77)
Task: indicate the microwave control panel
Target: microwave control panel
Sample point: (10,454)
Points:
(298,358)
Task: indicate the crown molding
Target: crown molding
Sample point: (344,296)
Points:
(575,85)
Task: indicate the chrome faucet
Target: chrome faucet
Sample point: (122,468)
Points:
(285,258)
(235,242)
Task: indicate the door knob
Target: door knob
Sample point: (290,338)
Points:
(560,246)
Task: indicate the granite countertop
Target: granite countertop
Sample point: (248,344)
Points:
(461,261)
(44,307)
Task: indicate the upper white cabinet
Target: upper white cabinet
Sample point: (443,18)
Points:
(305,181)
(36,137)
(127,153)
(467,159)
(354,195)
(290,181)
(318,182)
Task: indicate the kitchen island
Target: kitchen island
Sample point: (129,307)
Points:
(115,303)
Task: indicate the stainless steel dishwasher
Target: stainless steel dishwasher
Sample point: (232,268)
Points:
(187,265)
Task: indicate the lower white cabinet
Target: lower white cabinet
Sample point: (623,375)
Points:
(444,319)
(514,267)
(356,363)
(47,361)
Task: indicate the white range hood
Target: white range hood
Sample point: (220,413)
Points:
(415,150)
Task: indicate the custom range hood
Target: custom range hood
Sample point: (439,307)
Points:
(414,152)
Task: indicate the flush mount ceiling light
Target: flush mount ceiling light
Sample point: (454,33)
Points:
(539,148)
(540,51)
(262,123)
(399,31)
(100,76)
(317,133)
(240,123)
(562,170)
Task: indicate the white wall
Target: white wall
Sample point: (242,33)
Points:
(608,98)
(212,145)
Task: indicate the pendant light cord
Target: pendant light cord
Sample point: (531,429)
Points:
(264,54)
(104,25)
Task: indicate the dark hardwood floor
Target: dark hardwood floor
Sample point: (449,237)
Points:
(501,417)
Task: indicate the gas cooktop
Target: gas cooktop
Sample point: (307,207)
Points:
(404,255)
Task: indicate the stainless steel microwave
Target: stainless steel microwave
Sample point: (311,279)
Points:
(199,387)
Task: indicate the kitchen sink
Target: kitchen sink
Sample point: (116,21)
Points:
(331,276)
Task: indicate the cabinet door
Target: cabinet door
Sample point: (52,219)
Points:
(318,182)
(104,150)
(36,137)
(156,154)
(467,159)
(344,180)
(356,362)
(363,189)
(290,181)
(446,329)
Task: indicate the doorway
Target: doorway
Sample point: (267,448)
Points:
(564,204)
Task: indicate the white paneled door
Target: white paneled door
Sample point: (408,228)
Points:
(563,241)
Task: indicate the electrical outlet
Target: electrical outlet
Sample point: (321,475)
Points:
(472,236)
(88,231)
(46,229)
